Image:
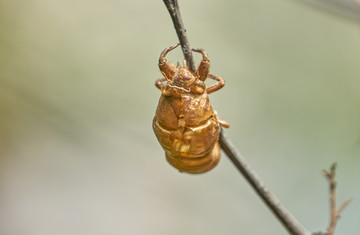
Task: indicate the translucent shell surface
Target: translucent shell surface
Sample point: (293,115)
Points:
(185,124)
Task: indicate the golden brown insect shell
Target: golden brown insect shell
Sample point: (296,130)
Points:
(185,123)
(193,149)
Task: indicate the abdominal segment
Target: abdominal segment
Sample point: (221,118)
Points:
(195,149)
(194,165)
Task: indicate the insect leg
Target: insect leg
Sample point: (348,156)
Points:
(223,123)
(217,86)
(204,67)
(167,69)
(159,82)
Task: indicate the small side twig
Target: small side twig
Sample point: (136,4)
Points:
(334,212)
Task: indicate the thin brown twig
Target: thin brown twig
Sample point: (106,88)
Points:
(288,221)
(348,8)
(174,11)
(334,212)
(343,205)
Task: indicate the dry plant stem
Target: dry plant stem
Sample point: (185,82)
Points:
(270,200)
(173,8)
(287,220)
(334,213)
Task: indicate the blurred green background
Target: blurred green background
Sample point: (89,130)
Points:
(77,98)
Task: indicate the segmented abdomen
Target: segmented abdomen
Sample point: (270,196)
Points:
(195,149)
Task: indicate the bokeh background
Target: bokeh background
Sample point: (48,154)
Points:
(77,98)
